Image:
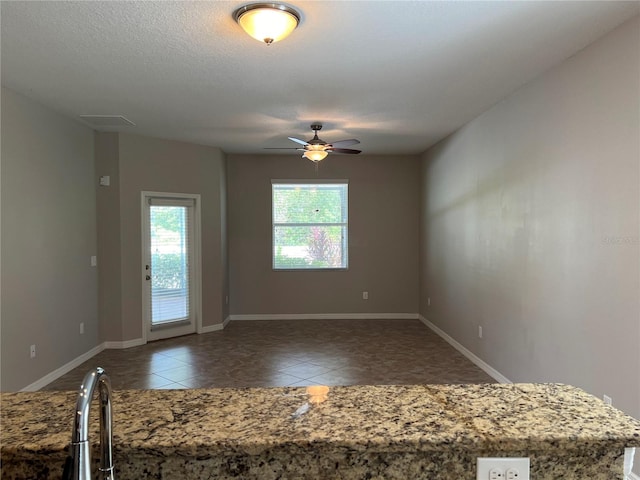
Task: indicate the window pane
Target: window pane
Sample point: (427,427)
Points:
(169,264)
(309,225)
(300,203)
(309,246)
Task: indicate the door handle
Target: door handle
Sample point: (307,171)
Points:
(147,277)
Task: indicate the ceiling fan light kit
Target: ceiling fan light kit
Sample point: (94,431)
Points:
(267,22)
(315,155)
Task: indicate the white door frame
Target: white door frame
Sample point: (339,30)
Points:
(196,291)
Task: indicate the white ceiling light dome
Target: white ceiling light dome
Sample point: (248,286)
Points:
(267,22)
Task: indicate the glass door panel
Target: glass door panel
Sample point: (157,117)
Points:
(169,303)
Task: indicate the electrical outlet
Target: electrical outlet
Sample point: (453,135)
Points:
(495,474)
(479,332)
(607,399)
(226,300)
(428,301)
(365,295)
(81,328)
(513,474)
(32,351)
(503,468)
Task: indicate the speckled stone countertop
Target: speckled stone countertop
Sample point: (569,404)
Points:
(377,432)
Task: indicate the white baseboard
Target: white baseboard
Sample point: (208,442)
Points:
(212,328)
(327,316)
(215,328)
(633,476)
(66,368)
(136,342)
(467,353)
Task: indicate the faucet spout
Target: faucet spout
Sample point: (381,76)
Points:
(79,464)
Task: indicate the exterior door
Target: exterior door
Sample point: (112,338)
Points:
(170,268)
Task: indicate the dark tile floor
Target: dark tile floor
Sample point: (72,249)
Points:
(287,353)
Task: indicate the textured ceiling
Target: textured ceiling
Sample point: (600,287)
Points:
(397,75)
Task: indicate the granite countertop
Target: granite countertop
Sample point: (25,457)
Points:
(238,433)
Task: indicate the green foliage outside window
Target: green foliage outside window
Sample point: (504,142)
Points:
(168,271)
(168,265)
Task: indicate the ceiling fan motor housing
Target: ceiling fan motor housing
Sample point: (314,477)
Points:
(316,127)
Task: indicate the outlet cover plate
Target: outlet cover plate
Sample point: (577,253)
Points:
(520,464)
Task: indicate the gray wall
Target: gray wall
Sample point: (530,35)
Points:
(109,246)
(137,164)
(530,224)
(383,237)
(48,236)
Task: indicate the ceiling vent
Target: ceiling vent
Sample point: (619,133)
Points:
(107,121)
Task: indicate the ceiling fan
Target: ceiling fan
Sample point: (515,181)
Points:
(317,149)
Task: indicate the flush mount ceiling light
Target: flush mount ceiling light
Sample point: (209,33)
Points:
(267,22)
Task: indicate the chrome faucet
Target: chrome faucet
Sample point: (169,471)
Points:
(78,465)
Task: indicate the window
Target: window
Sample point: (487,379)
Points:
(309,225)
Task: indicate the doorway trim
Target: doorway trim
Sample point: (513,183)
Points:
(197,256)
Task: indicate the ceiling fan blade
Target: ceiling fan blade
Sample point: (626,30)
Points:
(345,143)
(342,150)
(297,140)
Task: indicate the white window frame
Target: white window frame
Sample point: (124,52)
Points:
(345,224)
